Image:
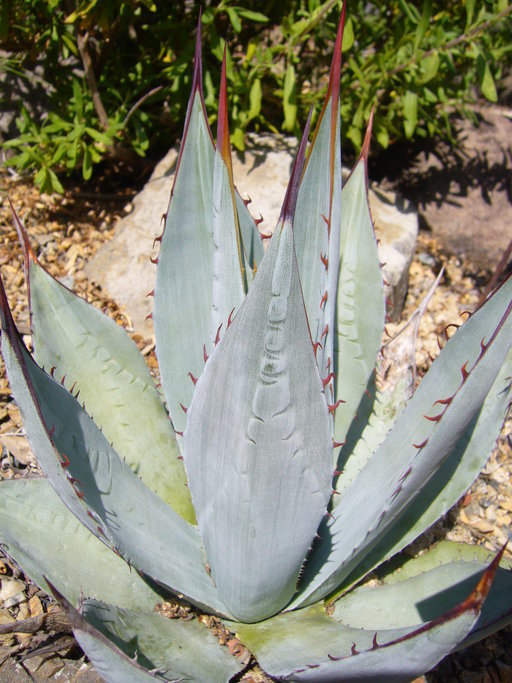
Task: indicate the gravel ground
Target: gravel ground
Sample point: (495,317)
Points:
(66,232)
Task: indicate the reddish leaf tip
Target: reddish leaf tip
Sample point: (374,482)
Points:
(198,67)
(475,600)
(290,199)
(365,149)
(334,79)
(23,237)
(222,121)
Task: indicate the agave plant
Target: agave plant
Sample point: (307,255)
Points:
(223,494)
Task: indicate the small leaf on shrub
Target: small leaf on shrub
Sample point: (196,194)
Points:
(234,19)
(87,164)
(423,23)
(98,136)
(237,139)
(348,35)
(252,16)
(55,184)
(382,136)
(410,108)
(70,44)
(289,99)
(486,81)
(255,99)
(429,67)
(40,177)
(355,136)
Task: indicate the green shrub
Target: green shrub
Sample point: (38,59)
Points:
(117,71)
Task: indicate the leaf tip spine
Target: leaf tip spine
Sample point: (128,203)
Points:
(223,144)
(365,148)
(28,252)
(292,191)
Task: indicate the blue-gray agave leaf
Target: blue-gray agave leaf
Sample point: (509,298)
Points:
(258,448)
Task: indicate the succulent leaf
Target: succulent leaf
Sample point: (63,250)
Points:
(251,238)
(376,413)
(109,660)
(360,307)
(453,478)
(46,539)
(317,221)
(78,343)
(183,291)
(40,434)
(307,645)
(383,400)
(203,267)
(257,444)
(177,649)
(228,277)
(417,446)
(425,587)
(99,487)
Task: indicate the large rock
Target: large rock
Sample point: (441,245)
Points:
(123,268)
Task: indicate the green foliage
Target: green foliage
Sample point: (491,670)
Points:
(418,62)
(223,493)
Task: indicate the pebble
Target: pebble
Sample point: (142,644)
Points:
(10,589)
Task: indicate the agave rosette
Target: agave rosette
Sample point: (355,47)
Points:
(265,360)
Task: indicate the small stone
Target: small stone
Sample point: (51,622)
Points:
(23,612)
(11,588)
(6,618)
(482,526)
(506,505)
(35,606)
(490,513)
